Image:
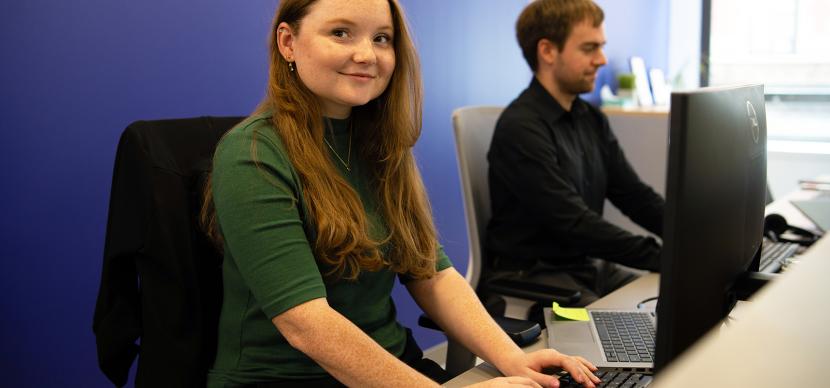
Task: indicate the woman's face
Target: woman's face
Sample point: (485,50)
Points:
(344,52)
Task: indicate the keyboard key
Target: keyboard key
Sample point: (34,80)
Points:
(644,382)
(773,254)
(625,336)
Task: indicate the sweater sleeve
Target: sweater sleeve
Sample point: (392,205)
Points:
(257,199)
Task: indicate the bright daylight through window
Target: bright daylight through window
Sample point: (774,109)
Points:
(784,44)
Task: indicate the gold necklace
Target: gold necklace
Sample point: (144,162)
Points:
(346,163)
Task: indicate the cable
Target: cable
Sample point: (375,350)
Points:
(644,301)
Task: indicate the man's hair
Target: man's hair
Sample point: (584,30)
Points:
(552,20)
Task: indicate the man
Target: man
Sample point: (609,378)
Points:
(554,160)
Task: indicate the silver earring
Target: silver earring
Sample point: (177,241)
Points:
(291,66)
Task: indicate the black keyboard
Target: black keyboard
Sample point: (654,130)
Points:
(611,379)
(625,336)
(774,254)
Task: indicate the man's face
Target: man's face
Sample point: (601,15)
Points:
(575,68)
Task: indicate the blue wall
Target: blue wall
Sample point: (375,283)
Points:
(636,27)
(633,27)
(74,74)
(468,57)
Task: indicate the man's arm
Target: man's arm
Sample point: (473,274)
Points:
(627,192)
(448,299)
(524,157)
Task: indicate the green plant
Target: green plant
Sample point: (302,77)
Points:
(625,81)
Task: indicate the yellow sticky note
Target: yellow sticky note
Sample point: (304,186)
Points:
(569,313)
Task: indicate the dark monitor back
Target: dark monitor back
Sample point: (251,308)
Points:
(715,197)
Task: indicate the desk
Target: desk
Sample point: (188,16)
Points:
(794,216)
(625,297)
(780,338)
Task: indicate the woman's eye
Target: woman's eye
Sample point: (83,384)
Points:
(340,33)
(383,39)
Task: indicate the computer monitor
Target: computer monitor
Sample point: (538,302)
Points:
(714,216)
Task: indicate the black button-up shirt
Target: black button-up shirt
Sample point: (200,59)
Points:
(550,172)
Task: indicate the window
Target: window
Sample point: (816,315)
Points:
(784,44)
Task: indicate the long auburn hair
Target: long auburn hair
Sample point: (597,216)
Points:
(388,127)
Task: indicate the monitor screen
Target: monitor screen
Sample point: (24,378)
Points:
(715,197)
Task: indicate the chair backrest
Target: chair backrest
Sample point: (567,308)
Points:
(473,128)
(161,284)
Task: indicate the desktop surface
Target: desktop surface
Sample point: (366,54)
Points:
(779,338)
(817,210)
(626,297)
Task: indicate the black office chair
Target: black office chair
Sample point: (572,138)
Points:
(161,285)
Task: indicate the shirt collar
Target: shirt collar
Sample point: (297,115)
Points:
(549,108)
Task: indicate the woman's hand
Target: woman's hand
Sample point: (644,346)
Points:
(531,364)
(512,381)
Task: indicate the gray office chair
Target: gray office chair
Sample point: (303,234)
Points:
(473,128)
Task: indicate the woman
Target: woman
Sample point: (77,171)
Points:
(319,205)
